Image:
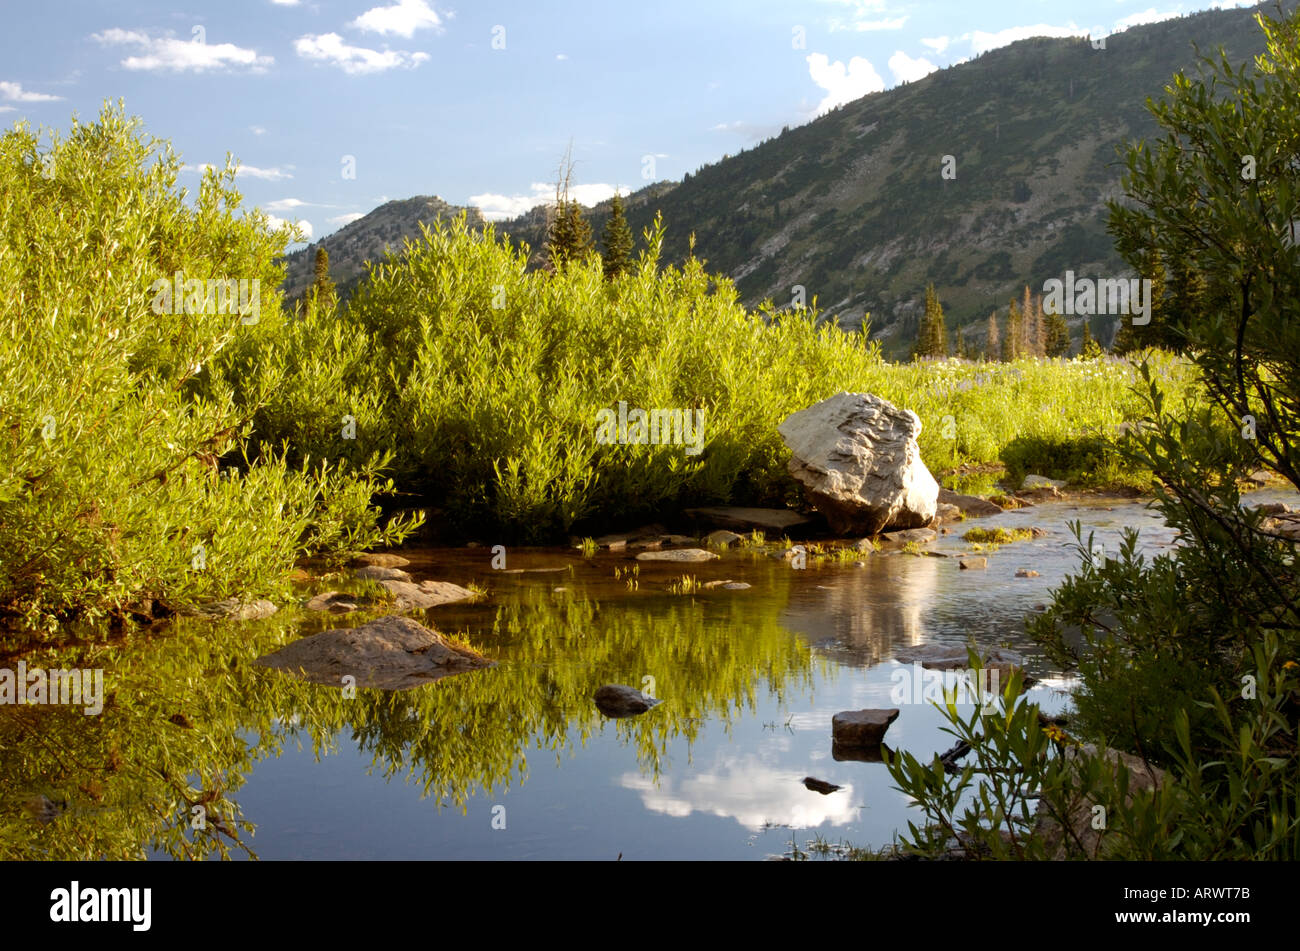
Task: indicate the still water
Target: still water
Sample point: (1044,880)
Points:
(515,762)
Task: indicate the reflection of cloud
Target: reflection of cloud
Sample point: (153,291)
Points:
(747,790)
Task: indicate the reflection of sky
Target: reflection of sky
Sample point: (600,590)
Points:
(743,788)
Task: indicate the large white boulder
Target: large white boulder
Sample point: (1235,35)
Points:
(857,458)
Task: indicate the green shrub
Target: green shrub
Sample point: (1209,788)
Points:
(113,424)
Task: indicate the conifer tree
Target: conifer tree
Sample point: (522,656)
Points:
(568,236)
(932,336)
(1013,346)
(322,292)
(1089,348)
(1058,335)
(616,239)
(992,340)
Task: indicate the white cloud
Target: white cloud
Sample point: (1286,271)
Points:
(6,108)
(496,207)
(278,223)
(1145,16)
(561,56)
(842,84)
(402,19)
(284,204)
(354,60)
(908,70)
(170,54)
(246,171)
(982,42)
(286,3)
(1232,4)
(340,220)
(937,43)
(257,130)
(14,92)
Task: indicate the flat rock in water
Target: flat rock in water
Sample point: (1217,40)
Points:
(915,536)
(1040,482)
(389,653)
(379,573)
(616,700)
(819,785)
(235,610)
(967,564)
(741,519)
(678,554)
(858,460)
(972,506)
(722,538)
(336,602)
(735,586)
(859,728)
(427,594)
(1026,573)
(953,657)
(379,559)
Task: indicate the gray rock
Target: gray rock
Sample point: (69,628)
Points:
(722,538)
(915,536)
(1026,573)
(741,519)
(1040,482)
(947,512)
(859,728)
(389,653)
(379,573)
(857,458)
(616,700)
(735,586)
(678,555)
(336,602)
(970,563)
(427,594)
(1085,840)
(972,506)
(380,560)
(953,657)
(235,610)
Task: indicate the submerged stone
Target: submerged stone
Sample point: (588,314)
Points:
(859,728)
(389,653)
(617,701)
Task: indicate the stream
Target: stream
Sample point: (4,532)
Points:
(514,761)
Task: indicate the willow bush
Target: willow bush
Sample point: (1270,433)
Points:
(486,381)
(123,486)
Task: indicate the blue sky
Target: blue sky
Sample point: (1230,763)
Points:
(335,106)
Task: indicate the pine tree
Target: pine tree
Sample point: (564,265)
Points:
(568,236)
(1058,335)
(1032,335)
(1013,346)
(1089,349)
(932,336)
(616,239)
(992,342)
(322,292)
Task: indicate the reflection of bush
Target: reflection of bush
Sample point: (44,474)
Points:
(130,776)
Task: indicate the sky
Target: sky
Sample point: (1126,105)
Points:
(333,107)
